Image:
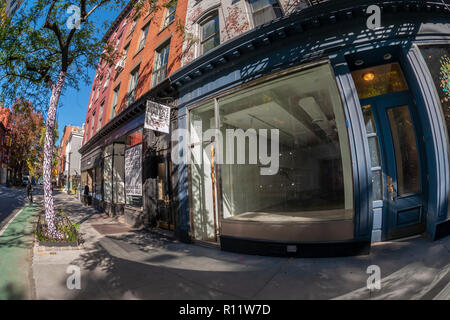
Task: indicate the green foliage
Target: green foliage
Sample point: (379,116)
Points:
(68,230)
(37,44)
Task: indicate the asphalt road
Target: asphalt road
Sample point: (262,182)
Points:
(12,200)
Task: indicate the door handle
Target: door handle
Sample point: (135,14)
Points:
(390,187)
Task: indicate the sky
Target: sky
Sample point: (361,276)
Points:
(73,104)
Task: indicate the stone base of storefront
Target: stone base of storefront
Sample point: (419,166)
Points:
(97,204)
(442,229)
(297,250)
(183,236)
(113,209)
(134,217)
(107,207)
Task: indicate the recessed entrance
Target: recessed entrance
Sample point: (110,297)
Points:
(396,143)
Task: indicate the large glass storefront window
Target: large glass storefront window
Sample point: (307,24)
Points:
(438,61)
(203,214)
(118,184)
(133,169)
(437,58)
(98,172)
(313,179)
(107,173)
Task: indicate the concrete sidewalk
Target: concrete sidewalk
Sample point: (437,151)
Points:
(119,263)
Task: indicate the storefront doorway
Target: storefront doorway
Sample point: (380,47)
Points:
(165,214)
(396,143)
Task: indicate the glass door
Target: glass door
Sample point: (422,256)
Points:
(203,193)
(399,172)
(165,215)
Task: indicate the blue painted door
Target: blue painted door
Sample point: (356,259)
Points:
(404,172)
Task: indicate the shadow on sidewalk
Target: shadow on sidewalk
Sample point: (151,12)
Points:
(11,292)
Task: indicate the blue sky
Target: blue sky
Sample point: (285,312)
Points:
(73,104)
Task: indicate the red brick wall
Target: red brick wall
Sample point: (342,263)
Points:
(144,59)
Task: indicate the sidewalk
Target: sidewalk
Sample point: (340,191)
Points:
(15,255)
(119,263)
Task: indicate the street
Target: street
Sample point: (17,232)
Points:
(16,241)
(12,201)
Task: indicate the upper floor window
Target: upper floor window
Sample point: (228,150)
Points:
(100,116)
(152,6)
(87,129)
(160,67)
(133,26)
(108,75)
(210,35)
(117,42)
(143,37)
(114,101)
(132,85)
(170,13)
(265,11)
(121,63)
(125,51)
(93,121)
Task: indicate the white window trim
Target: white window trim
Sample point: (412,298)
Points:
(250,12)
(200,23)
(198,28)
(166,15)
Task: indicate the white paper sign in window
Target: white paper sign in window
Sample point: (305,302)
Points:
(157,117)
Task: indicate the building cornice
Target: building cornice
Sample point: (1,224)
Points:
(311,18)
(162,93)
(118,20)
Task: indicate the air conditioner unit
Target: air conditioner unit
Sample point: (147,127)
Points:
(120,65)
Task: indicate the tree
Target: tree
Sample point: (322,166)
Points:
(42,50)
(24,126)
(38,159)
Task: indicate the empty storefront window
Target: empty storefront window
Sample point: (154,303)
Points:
(314,178)
(118,185)
(204,215)
(437,59)
(107,173)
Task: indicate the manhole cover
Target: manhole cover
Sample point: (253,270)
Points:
(111,228)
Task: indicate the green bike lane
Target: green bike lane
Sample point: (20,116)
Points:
(15,255)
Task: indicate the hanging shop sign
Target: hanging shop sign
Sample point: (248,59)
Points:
(157,117)
(133,171)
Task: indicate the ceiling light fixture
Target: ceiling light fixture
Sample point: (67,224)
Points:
(369,76)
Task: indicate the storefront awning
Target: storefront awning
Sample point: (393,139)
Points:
(91,160)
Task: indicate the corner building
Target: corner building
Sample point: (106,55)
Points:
(362,116)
